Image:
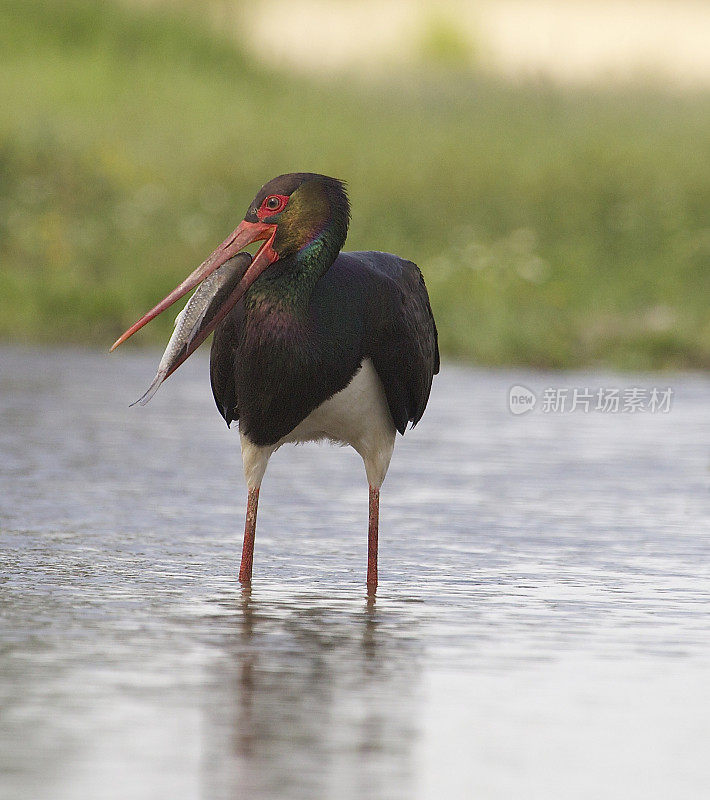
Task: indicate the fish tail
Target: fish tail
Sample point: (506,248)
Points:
(152,389)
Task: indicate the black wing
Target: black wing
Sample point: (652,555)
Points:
(367,305)
(223,357)
(399,334)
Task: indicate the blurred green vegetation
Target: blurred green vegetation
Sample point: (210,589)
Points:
(555,227)
(443,43)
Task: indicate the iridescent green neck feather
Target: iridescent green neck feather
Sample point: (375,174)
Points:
(311,232)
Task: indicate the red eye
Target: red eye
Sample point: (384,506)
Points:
(274,203)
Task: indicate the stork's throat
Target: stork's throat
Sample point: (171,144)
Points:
(287,285)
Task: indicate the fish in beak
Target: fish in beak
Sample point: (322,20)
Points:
(203,312)
(215,298)
(245,234)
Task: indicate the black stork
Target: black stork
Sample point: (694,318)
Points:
(312,343)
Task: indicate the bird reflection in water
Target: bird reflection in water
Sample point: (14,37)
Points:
(307,698)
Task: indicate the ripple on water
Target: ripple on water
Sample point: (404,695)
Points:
(544,598)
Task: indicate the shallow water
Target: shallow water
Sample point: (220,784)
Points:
(541,629)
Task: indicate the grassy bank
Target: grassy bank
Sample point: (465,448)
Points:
(554,227)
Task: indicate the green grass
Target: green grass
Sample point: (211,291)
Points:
(555,228)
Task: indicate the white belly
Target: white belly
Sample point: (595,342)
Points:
(358,415)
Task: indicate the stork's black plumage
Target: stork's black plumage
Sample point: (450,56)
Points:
(310,342)
(366,305)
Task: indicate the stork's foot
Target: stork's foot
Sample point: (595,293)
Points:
(372,529)
(249,534)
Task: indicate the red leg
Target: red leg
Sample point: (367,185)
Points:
(249,532)
(372,539)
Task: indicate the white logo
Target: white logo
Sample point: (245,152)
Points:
(521,399)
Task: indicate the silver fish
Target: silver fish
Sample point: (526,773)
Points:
(196,317)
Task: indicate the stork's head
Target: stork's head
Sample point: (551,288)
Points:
(301,207)
(289,214)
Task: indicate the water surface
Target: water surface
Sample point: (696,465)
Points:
(541,629)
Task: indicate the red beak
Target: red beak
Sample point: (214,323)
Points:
(245,234)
